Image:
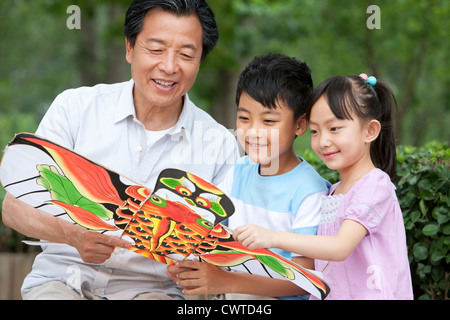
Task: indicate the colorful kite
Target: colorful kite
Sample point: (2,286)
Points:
(179,219)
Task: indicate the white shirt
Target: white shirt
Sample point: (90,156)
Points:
(100,123)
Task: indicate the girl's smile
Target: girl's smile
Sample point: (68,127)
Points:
(330,155)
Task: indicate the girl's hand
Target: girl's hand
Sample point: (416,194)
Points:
(254,237)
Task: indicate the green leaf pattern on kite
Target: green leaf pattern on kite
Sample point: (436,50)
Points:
(62,189)
(275,265)
(266,260)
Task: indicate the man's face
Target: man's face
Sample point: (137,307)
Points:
(165,59)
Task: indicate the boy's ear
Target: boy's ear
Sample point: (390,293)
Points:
(373,130)
(301,125)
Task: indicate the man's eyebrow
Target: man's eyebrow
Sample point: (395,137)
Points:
(160,41)
(154,40)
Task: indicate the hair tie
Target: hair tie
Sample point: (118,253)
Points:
(370,80)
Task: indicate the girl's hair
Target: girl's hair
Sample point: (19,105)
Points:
(352,95)
(138,9)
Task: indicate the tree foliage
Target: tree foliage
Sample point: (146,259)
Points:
(409,52)
(41,56)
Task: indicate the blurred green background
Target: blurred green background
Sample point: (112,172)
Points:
(40,56)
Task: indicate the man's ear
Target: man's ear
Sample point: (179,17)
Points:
(301,126)
(373,130)
(128,56)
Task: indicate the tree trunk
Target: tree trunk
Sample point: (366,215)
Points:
(224,109)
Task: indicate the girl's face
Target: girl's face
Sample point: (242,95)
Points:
(267,135)
(341,144)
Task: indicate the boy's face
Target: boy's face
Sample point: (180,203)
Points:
(267,135)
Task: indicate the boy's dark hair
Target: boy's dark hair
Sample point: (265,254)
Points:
(138,9)
(347,95)
(274,78)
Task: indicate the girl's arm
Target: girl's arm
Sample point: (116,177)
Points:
(333,248)
(198,278)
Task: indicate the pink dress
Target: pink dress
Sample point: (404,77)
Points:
(378,268)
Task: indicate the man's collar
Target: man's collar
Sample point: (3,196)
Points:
(126,109)
(185,116)
(125,105)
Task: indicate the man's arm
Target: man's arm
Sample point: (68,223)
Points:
(93,247)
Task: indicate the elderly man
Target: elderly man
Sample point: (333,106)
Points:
(137,128)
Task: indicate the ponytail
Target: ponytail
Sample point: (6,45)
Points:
(383,150)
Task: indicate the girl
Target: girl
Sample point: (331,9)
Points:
(361,242)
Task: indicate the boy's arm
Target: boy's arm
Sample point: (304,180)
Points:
(203,278)
(305,262)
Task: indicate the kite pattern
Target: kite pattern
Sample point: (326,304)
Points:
(180,219)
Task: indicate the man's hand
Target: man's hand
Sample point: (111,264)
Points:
(93,247)
(96,248)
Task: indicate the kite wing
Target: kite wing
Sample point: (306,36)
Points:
(60,182)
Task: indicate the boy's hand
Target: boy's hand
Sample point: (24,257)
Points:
(198,277)
(253,237)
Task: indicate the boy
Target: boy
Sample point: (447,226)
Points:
(271,187)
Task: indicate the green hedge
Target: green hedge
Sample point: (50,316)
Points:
(423,191)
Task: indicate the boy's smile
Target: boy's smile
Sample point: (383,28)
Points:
(267,135)
(256,145)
